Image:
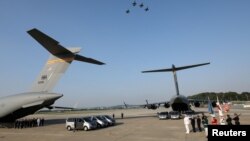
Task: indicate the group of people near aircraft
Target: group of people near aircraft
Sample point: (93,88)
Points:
(228,120)
(193,120)
(29,123)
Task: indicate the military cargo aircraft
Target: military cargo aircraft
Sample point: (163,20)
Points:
(177,102)
(41,96)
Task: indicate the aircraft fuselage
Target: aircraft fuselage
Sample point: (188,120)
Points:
(179,103)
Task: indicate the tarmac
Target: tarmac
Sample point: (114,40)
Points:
(137,125)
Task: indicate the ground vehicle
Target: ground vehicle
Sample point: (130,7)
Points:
(174,115)
(109,119)
(163,115)
(85,123)
(101,122)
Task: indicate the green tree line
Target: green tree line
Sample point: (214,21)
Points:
(227,96)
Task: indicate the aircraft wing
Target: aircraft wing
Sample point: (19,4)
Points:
(133,105)
(59,107)
(198,102)
(148,105)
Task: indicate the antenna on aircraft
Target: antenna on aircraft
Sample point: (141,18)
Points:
(174,69)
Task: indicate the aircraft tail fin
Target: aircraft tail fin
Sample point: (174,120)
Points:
(125,105)
(174,69)
(58,62)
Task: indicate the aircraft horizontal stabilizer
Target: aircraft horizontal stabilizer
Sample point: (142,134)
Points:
(48,43)
(88,60)
(176,68)
(191,66)
(56,49)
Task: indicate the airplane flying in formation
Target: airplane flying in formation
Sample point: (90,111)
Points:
(41,96)
(140,5)
(134,3)
(178,102)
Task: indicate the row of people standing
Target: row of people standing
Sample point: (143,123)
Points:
(214,121)
(204,121)
(235,118)
(228,120)
(192,120)
(28,123)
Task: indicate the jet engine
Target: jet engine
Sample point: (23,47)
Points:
(166,105)
(197,104)
(151,106)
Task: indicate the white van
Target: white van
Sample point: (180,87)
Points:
(84,123)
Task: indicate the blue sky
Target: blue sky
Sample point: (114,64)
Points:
(180,32)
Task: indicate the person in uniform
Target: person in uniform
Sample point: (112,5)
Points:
(193,123)
(229,120)
(205,124)
(186,123)
(198,120)
(236,119)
